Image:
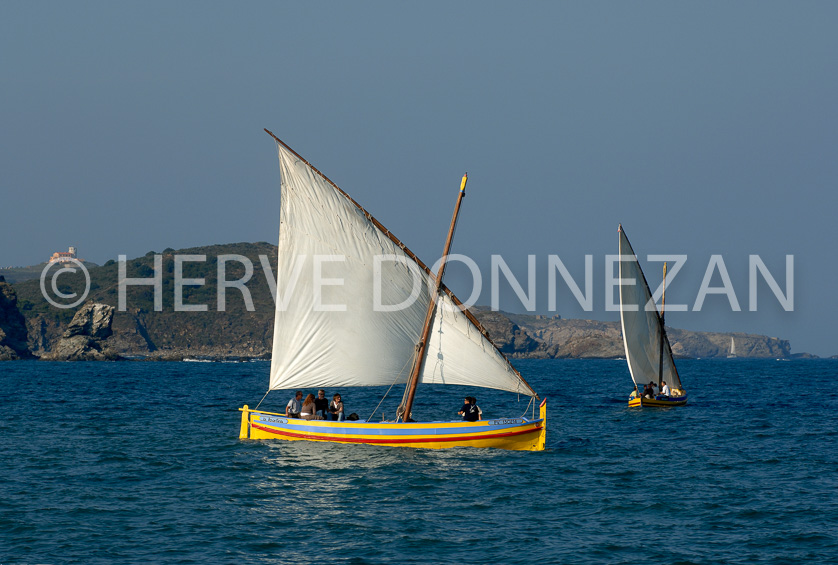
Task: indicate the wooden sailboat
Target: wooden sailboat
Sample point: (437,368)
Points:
(648,353)
(355,307)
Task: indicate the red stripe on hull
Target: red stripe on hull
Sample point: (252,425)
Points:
(417,440)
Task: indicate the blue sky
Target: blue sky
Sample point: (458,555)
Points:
(705,128)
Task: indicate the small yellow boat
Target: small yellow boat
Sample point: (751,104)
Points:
(648,353)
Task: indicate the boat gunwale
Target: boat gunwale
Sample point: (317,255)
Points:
(489,422)
(657,403)
(429,438)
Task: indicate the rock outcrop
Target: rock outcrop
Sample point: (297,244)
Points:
(44,332)
(85,336)
(13,334)
(509,338)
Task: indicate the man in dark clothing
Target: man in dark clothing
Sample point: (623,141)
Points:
(470,412)
(321,404)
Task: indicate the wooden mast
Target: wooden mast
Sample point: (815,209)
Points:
(426,329)
(663,331)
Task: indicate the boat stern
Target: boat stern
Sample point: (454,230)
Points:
(244,431)
(542,437)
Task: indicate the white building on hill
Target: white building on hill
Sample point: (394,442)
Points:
(62,256)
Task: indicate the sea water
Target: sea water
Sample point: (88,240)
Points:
(140,462)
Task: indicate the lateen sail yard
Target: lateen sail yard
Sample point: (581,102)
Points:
(352,300)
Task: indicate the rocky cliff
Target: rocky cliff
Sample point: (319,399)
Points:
(13,333)
(141,331)
(547,338)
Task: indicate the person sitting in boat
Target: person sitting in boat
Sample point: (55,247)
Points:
(336,409)
(477,408)
(665,390)
(321,404)
(466,407)
(649,390)
(295,405)
(470,412)
(309,412)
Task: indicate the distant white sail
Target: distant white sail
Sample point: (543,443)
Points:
(732,349)
(641,324)
(327,332)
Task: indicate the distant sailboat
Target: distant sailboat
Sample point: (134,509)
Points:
(648,353)
(732,354)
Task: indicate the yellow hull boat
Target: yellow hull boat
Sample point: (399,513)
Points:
(639,401)
(330,332)
(518,434)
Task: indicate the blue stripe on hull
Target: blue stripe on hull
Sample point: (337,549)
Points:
(390,429)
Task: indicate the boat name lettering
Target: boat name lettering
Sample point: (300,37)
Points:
(273,420)
(505,422)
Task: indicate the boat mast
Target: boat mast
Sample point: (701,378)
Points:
(404,411)
(663,331)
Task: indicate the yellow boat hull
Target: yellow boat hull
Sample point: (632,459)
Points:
(639,402)
(519,434)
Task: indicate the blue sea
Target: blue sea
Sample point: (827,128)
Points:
(140,462)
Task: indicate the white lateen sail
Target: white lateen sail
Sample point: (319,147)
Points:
(642,325)
(352,299)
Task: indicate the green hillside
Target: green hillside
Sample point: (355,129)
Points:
(19,274)
(139,329)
